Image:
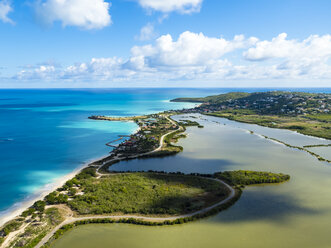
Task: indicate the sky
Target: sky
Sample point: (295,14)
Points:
(165,43)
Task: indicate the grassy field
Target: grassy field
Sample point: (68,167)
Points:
(308,125)
(147,193)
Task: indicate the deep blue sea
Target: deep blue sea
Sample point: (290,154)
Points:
(46,134)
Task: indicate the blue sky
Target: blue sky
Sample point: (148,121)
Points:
(174,43)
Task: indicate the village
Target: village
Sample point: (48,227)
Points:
(146,139)
(290,104)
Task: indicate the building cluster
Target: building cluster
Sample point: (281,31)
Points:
(148,137)
(279,104)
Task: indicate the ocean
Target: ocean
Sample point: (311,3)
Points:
(46,134)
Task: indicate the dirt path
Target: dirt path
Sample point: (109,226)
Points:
(14,234)
(146,218)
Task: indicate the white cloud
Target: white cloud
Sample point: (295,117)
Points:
(313,48)
(166,6)
(147,32)
(86,14)
(196,57)
(47,72)
(294,58)
(5,9)
(190,49)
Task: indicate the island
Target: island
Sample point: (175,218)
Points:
(98,195)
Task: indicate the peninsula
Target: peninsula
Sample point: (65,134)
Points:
(97,195)
(306,113)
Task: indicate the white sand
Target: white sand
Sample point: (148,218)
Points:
(18,208)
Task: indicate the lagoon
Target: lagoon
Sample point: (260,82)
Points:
(293,214)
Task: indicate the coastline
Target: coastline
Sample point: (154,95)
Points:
(17,208)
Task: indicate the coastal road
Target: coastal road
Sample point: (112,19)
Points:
(71,220)
(156,219)
(146,153)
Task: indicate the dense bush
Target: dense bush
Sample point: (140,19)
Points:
(39,206)
(135,221)
(85,174)
(147,193)
(242,177)
(56,198)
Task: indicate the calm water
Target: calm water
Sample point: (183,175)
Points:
(294,214)
(325,152)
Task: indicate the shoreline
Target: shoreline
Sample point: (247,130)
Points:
(285,129)
(18,208)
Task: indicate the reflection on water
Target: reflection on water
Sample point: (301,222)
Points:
(293,214)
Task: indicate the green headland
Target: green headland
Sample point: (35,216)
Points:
(306,113)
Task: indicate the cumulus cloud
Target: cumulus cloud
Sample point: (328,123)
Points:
(46,72)
(294,58)
(312,48)
(166,6)
(5,9)
(194,56)
(190,49)
(86,14)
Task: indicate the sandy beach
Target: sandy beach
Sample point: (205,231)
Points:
(16,209)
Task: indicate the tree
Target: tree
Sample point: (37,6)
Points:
(39,206)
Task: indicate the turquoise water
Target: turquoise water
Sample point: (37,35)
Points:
(45,134)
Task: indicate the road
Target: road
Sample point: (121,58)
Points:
(146,153)
(146,218)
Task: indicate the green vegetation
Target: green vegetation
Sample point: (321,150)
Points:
(56,198)
(160,154)
(37,207)
(243,177)
(306,113)
(152,193)
(214,99)
(311,146)
(147,193)
(301,124)
(10,227)
(134,221)
(189,123)
(320,117)
(172,138)
(302,148)
(39,226)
